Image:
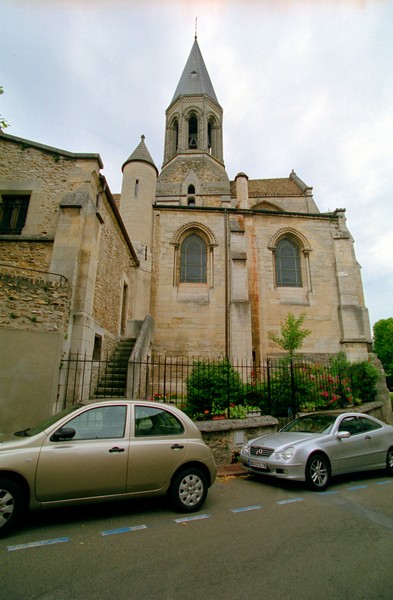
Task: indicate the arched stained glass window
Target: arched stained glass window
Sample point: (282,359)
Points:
(288,267)
(193,260)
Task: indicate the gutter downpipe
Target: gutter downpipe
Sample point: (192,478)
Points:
(227,323)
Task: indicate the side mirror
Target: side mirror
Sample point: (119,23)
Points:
(342,435)
(62,435)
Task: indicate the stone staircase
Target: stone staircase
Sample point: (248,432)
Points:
(112,382)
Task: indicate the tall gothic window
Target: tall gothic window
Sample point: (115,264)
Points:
(176,134)
(193,132)
(193,260)
(288,267)
(209,136)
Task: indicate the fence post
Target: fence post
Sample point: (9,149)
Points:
(293,392)
(269,389)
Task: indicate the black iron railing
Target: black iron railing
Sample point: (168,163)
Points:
(211,388)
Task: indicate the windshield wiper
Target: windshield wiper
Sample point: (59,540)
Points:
(23,433)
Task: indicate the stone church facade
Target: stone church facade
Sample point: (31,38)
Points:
(213,263)
(224,261)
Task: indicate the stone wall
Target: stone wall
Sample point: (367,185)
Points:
(114,270)
(32,302)
(44,174)
(30,254)
(226,437)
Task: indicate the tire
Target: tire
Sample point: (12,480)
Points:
(317,472)
(389,462)
(188,490)
(12,505)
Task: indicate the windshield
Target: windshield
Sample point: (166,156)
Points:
(311,424)
(47,422)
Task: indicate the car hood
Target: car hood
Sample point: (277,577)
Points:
(279,440)
(10,441)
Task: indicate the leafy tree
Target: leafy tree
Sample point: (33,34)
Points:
(292,334)
(383,346)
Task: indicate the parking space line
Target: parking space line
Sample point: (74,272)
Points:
(194,518)
(60,540)
(188,519)
(246,508)
(123,530)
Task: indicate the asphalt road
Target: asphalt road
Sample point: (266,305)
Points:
(264,539)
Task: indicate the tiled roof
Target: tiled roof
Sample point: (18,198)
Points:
(142,154)
(259,188)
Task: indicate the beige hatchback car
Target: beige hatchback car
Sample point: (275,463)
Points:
(108,450)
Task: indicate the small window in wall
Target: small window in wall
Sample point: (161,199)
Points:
(288,267)
(97,347)
(13,212)
(124,309)
(191,195)
(193,260)
(136,187)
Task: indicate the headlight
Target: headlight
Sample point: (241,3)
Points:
(285,454)
(245,449)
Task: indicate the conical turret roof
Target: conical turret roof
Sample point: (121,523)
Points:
(142,154)
(195,79)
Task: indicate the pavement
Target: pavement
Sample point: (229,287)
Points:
(234,470)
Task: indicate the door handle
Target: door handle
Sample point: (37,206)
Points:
(116,449)
(177,447)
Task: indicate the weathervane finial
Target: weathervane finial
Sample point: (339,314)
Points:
(196,28)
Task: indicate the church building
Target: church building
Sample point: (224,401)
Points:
(222,261)
(186,261)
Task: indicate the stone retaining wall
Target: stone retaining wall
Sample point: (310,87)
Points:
(225,437)
(33,303)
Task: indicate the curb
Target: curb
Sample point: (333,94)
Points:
(234,470)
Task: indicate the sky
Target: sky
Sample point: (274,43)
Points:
(304,85)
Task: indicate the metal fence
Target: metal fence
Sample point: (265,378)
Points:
(212,388)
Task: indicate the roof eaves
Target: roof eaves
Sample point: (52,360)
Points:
(51,149)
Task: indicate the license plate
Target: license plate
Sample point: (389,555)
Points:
(258,464)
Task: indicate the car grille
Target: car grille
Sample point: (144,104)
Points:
(260,451)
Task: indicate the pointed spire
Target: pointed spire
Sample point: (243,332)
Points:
(141,154)
(195,79)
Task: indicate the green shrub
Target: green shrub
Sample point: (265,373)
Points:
(364,377)
(212,386)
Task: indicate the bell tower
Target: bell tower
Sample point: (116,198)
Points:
(194,117)
(193,171)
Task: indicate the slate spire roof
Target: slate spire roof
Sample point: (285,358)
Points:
(142,154)
(195,79)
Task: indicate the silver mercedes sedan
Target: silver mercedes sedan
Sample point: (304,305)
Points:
(317,446)
(109,450)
